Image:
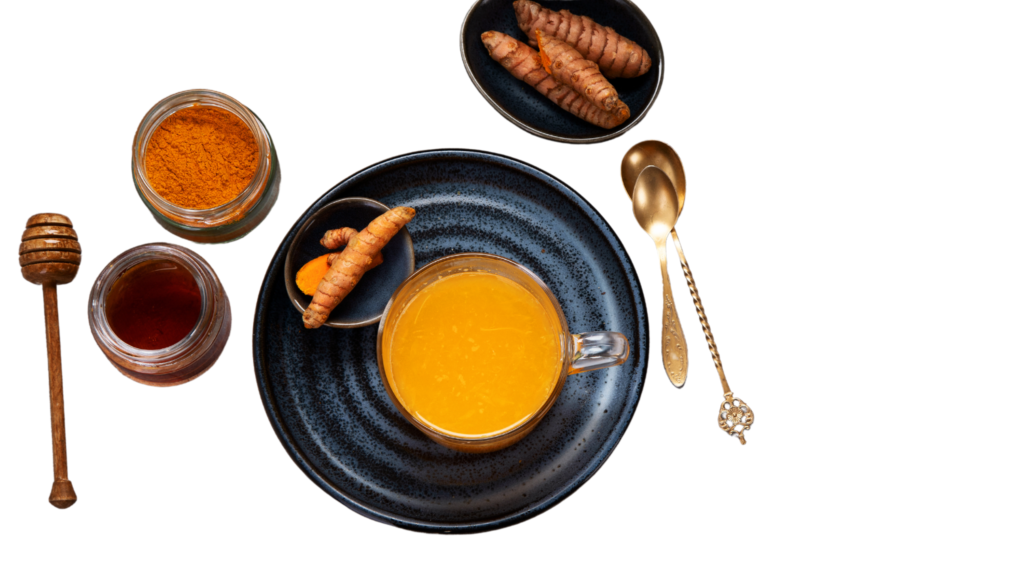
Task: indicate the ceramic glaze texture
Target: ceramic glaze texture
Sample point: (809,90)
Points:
(529,109)
(324,395)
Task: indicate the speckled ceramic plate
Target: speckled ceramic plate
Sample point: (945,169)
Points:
(324,396)
(522,105)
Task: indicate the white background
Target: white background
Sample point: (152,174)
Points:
(852,220)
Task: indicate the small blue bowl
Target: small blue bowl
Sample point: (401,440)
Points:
(523,105)
(365,304)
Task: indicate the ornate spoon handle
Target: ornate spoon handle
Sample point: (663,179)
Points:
(673,342)
(734,416)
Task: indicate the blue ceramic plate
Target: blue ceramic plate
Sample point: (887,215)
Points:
(324,396)
(533,112)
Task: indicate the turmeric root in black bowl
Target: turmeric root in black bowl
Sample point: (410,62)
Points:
(543,106)
(375,279)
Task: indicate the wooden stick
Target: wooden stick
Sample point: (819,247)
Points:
(62,495)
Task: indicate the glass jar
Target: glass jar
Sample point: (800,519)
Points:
(222,223)
(180,362)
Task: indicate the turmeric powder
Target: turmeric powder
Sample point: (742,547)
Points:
(201,157)
(354,261)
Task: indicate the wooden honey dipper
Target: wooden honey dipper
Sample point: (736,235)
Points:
(50,255)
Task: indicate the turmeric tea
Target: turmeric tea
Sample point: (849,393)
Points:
(474,354)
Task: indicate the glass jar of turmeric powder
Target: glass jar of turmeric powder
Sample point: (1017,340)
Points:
(160,314)
(205,166)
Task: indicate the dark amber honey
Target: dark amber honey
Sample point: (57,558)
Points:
(154,304)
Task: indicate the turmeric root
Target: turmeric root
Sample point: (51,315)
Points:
(524,63)
(618,56)
(335,239)
(569,67)
(377,261)
(309,276)
(354,261)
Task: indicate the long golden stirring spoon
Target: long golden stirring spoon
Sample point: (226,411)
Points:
(656,208)
(734,416)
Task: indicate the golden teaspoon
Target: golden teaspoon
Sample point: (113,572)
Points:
(734,416)
(656,208)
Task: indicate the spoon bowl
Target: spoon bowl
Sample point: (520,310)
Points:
(655,204)
(654,153)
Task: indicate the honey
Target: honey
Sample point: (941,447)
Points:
(475,354)
(154,304)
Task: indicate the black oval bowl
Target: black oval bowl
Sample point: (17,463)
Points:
(365,304)
(535,113)
(324,396)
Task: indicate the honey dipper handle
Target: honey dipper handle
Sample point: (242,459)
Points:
(63,493)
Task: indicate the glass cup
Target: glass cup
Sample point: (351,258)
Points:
(579,352)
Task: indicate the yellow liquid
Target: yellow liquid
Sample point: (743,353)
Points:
(475,354)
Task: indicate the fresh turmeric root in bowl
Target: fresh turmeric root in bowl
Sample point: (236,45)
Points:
(525,64)
(569,67)
(616,55)
(309,276)
(348,268)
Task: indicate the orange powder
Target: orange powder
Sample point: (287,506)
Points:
(201,157)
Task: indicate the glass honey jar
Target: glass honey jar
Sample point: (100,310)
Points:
(160,314)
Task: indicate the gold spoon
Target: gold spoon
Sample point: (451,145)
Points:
(656,208)
(734,416)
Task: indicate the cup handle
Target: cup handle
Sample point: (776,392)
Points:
(596,350)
